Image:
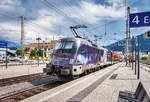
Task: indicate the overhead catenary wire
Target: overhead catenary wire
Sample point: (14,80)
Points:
(17,17)
(40,27)
(37,25)
(79,15)
(33,27)
(7,14)
(50,5)
(72,9)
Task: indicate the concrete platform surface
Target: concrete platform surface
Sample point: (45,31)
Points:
(13,71)
(145,77)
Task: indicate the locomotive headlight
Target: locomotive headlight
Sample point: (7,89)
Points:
(71,61)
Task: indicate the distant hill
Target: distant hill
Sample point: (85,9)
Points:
(120,45)
(117,46)
(11,45)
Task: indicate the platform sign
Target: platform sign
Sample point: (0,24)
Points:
(139,19)
(3,43)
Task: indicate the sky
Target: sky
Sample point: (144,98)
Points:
(51,19)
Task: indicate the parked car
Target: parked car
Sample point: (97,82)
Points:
(22,59)
(14,58)
(4,58)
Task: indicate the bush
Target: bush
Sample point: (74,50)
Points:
(5,61)
(19,52)
(144,58)
(33,52)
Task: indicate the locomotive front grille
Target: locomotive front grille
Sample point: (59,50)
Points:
(65,71)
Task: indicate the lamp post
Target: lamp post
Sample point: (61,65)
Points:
(43,50)
(38,39)
(132,51)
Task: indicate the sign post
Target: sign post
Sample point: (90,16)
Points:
(135,56)
(138,41)
(6,57)
(141,19)
(132,51)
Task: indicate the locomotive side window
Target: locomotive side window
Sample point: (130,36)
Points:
(102,52)
(83,49)
(57,46)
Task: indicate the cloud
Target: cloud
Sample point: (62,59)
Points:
(42,26)
(10,30)
(46,21)
(11,7)
(10,19)
(93,13)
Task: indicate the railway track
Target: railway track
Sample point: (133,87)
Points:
(31,91)
(147,66)
(25,93)
(19,79)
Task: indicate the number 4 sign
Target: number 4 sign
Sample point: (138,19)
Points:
(139,19)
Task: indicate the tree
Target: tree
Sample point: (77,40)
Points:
(26,50)
(40,52)
(19,52)
(33,52)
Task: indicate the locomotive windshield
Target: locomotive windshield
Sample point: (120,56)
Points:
(63,47)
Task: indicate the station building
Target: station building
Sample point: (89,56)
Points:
(9,52)
(46,47)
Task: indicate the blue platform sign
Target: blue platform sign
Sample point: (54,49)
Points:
(3,43)
(139,19)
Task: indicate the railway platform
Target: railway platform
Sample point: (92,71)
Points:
(101,86)
(19,70)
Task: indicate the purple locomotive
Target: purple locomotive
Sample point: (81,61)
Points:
(72,57)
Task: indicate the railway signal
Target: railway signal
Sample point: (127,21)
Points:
(146,35)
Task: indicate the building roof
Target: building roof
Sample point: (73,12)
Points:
(3,50)
(51,44)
